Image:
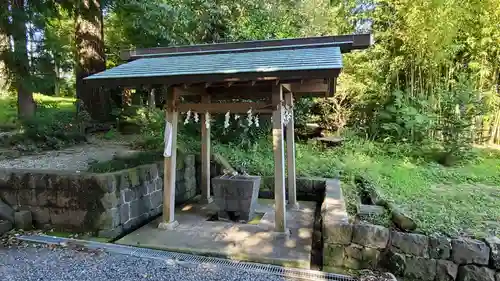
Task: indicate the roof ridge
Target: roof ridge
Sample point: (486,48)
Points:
(245,50)
(346,42)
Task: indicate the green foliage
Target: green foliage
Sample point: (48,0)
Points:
(404,118)
(238,133)
(401,75)
(133,23)
(152,128)
(394,89)
(8,113)
(50,130)
(460,106)
(59,50)
(333,113)
(302,110)
(111,134)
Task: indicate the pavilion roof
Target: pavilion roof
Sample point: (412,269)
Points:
(286,59)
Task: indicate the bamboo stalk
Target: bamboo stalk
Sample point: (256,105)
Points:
(495,128)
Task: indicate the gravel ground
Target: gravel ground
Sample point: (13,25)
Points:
(75,158)
(64,264)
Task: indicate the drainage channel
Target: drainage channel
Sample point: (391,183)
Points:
(165,255)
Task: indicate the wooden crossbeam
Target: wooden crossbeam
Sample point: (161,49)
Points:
(259,107)
(311,86)
(316,87)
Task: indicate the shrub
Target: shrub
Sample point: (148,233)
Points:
(404,118)
(238,133)
(459,107)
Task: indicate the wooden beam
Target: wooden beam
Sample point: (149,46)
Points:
(310,87)
(257,91)
(189,91)
(315,87)
(279,162)
(168,220)
(287,87)
(205,155)
(290,155)
(225,107)
(332,87)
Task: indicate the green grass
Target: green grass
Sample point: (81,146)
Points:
(52,127)
(8,113)
(460,200)
(122,163)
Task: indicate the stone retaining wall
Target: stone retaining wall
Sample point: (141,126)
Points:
(407,255)
(308,189)
(108,204)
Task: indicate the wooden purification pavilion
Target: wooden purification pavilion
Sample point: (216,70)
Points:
(261,76)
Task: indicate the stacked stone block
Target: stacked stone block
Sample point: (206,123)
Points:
(308,189)
(409,256)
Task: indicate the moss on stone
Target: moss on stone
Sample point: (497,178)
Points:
(333,255)
(131,161)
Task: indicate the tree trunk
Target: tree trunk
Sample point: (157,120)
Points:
(4,48)
(90,57)
(20,67)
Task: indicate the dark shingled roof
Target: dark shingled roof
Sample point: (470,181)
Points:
(282,59)
(226,63)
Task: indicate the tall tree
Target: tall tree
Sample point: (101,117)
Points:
(20,66)
(90,56)
(4,42)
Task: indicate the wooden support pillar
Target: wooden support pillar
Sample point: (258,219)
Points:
(279,160)
(171,114)
(290,155)
(205,155)
(151,99)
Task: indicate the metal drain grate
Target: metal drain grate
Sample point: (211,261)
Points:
(203,260)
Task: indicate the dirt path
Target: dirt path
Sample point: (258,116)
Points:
(74,158)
